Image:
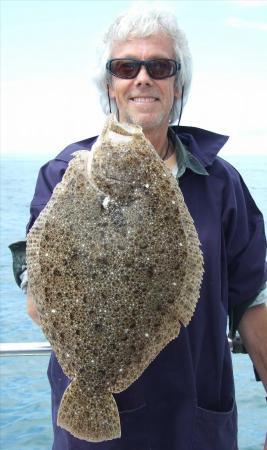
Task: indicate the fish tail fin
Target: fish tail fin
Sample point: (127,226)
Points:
(89,415)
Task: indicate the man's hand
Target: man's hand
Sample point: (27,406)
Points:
(31,309)
(253,332)
(90,160)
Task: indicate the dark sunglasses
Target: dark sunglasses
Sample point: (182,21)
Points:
(156,68)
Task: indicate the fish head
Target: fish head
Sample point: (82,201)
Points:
(122,158)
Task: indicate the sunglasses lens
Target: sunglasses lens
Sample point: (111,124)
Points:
(124,68)
(161,68)
(156,68)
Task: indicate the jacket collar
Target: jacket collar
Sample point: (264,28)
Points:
(203,144)
(184,158)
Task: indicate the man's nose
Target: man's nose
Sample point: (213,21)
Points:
(143,76)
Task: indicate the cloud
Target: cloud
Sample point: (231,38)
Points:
(235,22)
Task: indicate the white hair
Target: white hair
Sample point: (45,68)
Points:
(140,22)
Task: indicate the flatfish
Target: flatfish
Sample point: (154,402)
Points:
(115,268)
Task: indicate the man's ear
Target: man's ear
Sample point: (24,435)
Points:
(111,91)
(177,93)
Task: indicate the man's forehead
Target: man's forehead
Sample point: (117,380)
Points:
(155,45)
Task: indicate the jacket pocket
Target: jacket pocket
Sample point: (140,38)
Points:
(215,430)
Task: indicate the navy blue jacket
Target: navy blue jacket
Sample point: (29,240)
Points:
(185,399)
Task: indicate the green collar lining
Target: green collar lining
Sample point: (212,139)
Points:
(185,159)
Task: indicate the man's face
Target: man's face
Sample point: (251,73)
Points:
(143,100)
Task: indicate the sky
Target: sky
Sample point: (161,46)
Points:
(49,49)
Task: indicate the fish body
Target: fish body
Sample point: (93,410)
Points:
(115,268)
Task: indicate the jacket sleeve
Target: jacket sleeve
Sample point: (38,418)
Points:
(245,245)
(49,176)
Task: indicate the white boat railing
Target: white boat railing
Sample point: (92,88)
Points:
(44,348)
(24,348)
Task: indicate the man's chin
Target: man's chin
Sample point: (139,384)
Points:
(145,122)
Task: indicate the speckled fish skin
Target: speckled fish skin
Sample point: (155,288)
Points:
(115,267)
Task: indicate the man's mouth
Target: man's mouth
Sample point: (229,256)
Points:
(144,99)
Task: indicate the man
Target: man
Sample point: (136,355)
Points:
(185,398)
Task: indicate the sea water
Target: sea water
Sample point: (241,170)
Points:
(24,389)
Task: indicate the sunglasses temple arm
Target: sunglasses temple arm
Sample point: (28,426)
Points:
(181,108)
